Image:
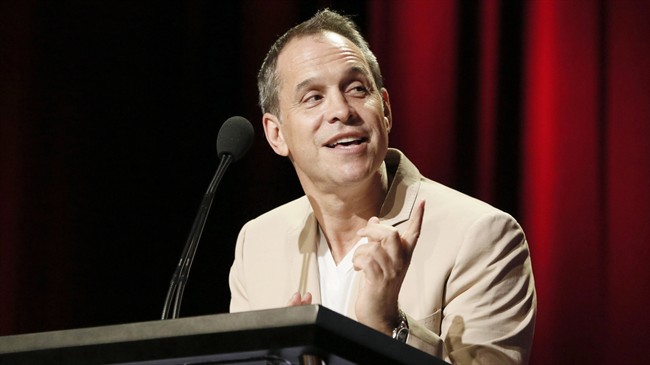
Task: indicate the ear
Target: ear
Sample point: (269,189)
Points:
(273,132)
(388,115)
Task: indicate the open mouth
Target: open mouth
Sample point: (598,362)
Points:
(349,141)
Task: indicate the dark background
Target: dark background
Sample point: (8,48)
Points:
(120,104)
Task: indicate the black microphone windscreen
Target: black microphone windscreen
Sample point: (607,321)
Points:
(235,137)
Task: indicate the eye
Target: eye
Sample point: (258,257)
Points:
(358,89)
(312,98)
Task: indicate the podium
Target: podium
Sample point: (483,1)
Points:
(302,335)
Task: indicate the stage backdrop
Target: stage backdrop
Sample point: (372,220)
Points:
(109,113)
(543,109)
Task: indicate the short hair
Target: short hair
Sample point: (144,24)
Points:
(268,80)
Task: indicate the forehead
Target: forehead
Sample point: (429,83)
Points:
(308,56)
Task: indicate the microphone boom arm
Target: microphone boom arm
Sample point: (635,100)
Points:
(179,279)
(234,139)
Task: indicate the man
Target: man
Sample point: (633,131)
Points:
(372,238)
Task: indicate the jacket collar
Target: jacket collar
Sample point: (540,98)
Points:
(404,181)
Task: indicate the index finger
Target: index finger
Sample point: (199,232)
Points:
(412,233)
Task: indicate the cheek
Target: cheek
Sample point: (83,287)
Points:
(374,108)
(300,141)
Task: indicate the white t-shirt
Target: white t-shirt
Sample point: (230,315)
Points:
(335,280)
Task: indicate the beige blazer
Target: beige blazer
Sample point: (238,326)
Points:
(469,292)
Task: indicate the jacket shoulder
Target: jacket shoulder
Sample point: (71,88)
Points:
(288,215)
(455,203)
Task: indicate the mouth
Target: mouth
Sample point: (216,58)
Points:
(347,141)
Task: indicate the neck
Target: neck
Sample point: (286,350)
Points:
(342,212)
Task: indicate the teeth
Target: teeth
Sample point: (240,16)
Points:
(344,140)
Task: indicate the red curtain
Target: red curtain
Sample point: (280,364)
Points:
(420,78)
(565,176)
(582,125)
(587,173)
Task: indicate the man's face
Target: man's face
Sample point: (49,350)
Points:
(333,122)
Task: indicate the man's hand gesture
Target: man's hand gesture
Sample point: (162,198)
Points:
(384,262)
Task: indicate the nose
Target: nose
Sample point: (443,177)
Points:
(339,108)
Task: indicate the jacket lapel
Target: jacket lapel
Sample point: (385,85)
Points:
(403,191)
(304,265)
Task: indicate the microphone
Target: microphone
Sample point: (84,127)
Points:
(235,138)
(233,141)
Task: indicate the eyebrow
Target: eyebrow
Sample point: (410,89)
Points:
(304,84)
(352,71)
(358,70)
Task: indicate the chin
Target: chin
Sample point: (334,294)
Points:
(354,175)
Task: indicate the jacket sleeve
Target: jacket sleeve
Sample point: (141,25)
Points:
(489,305)
(238,296)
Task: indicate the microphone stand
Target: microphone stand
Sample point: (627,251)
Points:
(179,279)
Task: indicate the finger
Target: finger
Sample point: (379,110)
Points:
(373,259)
(306,299)
(297,299)
(374,231)
(363,232)
(412,233)
(360,257)
(372,270)
(294,300)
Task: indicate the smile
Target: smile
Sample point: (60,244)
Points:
(347,141)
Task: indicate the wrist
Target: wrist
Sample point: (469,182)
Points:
(401,330)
